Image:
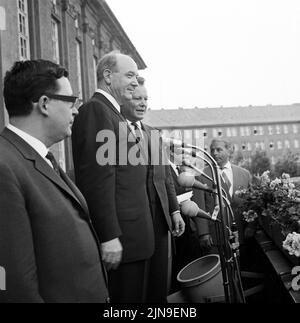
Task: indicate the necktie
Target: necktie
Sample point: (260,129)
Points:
(53,162)
(138,133)
(226,180)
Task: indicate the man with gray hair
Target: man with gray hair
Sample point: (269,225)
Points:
(115,189)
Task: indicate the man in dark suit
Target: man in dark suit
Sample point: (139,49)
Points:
(233,178)
(115,186)
(161,193)
(47,244)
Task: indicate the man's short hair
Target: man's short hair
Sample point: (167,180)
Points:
(108,61)
(27,81)
(141,80)
(228,145)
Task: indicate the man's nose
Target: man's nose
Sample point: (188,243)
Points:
(75,111)
(134,82)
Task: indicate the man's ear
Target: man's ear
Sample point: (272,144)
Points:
(107,76)
(42,105)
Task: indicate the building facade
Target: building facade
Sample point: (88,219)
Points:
(274,129)
(73,33)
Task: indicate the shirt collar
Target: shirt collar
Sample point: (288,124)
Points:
(227,166)
(111,99)
(36,144)
(138,123)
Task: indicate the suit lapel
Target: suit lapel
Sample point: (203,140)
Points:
(75,190)
(100,97)
(235,176)
(40,164)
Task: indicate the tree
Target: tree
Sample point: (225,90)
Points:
(259,163)
(287,164)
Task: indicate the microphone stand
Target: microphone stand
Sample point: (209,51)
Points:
(228,255)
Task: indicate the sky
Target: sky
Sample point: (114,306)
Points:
(212,53)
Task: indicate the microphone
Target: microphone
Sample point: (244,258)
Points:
(188,180)
(180,146)
(173,142)
(192,210)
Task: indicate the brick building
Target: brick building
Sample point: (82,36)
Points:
(275,129)
(74,33)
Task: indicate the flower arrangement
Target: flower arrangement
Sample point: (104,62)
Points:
(292,244)
(279,199)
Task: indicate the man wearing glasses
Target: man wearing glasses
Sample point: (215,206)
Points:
(47,243)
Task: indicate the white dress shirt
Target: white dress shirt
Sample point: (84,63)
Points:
(139,125)
(111,99)
(36,144)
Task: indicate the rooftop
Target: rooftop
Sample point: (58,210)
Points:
(197,117)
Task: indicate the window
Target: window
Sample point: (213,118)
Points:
(287,144)
(236,147)
(197,133)
(271,145)
(228,132)
(247,131)
(278,130)
(254,131)
(279,144)
(296,143)
(59,148)
(187,134)
(215,133)
(242,131)
(285,129)
(261,130)
(55,41)
(249,146)
(79,70)
(24,51)
(295,128)
(220,134)
(95,71)
(257,145)
(270,128)
(243,147)
(233,132)
(262,145)
(176,134)
(204,133)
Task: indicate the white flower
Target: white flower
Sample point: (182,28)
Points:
(275,183)
(292,244)
(265,178)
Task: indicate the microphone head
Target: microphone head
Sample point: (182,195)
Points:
(186,179)
(189,208)
(172,142)
(187,162)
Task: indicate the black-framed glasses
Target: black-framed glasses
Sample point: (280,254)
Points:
(67,98)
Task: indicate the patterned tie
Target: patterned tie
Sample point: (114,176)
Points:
(53,162)
(138,133)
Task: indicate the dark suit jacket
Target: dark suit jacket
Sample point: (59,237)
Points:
(116,194)
(46,244)
(241,179)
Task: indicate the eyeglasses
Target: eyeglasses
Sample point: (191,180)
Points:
(66,98)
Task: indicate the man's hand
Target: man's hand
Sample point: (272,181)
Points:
(111,253)
(205,242)
(178,224)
